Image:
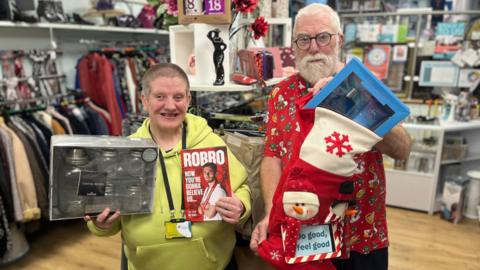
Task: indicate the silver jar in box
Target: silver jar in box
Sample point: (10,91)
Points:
(110,163)
(136,165)
(135,199)
(77,161)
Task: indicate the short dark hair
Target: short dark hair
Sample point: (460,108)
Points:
(211,165)
(168,70)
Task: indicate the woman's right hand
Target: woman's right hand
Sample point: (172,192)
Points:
(104,220)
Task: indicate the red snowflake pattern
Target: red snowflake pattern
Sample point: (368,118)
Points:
(335,142)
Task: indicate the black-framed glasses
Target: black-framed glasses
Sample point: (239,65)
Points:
(322,39)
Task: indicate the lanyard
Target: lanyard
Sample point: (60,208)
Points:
(165,175)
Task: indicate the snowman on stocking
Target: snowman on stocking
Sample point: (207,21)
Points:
(307,218)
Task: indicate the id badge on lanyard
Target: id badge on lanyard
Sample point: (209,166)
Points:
(178,228)
(175,228)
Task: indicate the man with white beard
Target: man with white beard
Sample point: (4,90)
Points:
(318,38)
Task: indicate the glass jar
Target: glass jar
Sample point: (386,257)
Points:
(136,165)
(70,202)
(109,163)
(134,201)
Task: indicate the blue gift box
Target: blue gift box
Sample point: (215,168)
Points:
(357,94)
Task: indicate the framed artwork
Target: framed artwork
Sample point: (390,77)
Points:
(356,93)
(468,77)
(204,11)
(400,53)
(438,73)
(377,59)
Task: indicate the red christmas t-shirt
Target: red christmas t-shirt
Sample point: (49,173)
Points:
(368,228)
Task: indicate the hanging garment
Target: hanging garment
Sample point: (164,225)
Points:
(102,113)
(23,88)
(120,75)
(44,118)
(78,123)
(20,126)
(97,82)
(94,121)
(5,236)
(51,69)
(62,119)
(5,190)
(39,173)
(8,147)
(131,63)
(38,58)
(25,183)
(131,86)
(57,128)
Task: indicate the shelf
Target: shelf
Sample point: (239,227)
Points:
(431,150)
(422,126)
(409,173)
(472,157)
(381,43)
(450,126)
(459,126)
(79,27)
(231,87)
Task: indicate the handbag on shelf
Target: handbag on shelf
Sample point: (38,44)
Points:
(51,10)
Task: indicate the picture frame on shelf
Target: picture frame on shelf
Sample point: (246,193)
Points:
(400,53)
(468,77)
(356,93)
(208,12)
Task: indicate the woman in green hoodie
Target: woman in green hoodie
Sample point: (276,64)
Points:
(166,97)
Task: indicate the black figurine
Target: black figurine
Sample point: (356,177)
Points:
(220,47)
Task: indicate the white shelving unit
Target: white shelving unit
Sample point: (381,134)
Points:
(67,38)
(84,28)
(230,87)
(420,190)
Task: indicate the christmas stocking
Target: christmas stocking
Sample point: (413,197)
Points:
(306,221)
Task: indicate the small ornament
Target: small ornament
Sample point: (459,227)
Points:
(218,55)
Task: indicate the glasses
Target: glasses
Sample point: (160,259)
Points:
(323,39)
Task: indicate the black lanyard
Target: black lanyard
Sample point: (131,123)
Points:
(165,175)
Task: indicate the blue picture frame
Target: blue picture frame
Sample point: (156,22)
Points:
(356,93)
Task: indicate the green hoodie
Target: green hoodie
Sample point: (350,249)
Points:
(212,243)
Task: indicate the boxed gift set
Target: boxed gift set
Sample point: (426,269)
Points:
(357,94)
(91,173)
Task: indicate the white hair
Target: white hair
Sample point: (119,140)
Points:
(319,8)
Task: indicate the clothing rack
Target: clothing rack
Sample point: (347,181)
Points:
(46,77)
(12,54)
(136,45)
(31,100)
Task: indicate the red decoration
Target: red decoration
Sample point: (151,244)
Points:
(245,6)
(259,27)
(334,142)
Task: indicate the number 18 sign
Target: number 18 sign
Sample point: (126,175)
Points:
(214,7)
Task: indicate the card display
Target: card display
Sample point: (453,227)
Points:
(438,73)
(448,39)
(377,60)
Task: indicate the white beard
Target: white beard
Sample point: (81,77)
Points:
(312,72)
